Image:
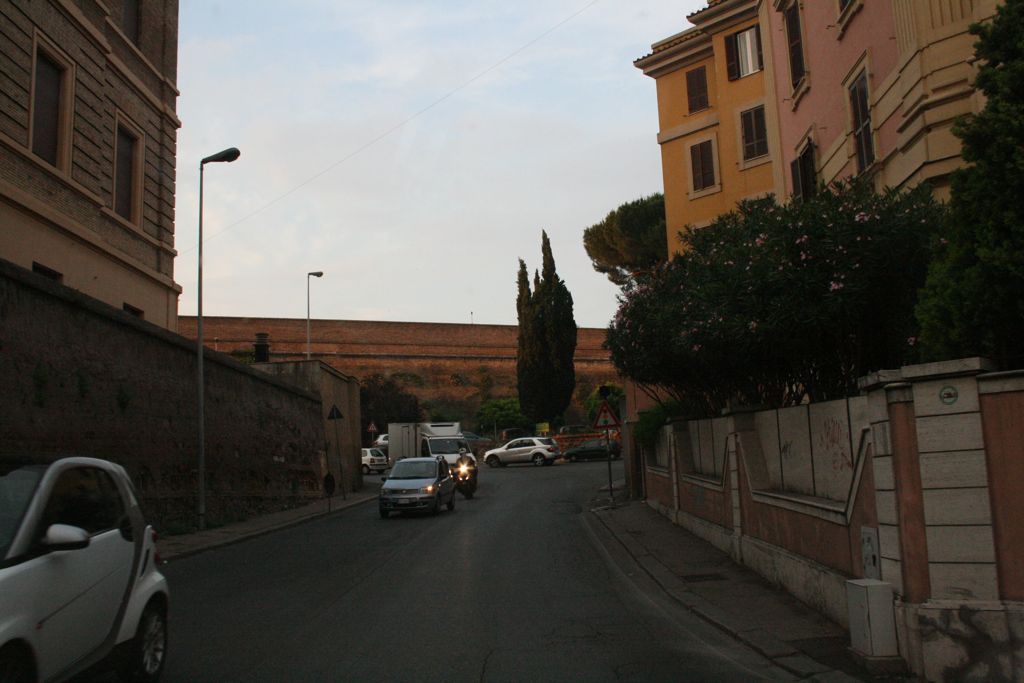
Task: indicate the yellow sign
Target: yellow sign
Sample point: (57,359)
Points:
(543,428)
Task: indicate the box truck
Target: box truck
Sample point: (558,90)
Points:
(424,439)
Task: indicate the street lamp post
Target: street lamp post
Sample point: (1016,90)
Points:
(315,273)
(227,155)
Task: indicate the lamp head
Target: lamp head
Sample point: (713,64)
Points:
(229,154)
(316,273)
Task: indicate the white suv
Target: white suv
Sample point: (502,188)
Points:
(78,573)
(536,449)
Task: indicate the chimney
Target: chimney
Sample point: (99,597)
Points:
(261,347)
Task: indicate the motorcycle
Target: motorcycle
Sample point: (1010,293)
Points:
(465,478)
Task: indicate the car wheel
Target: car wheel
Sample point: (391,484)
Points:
(493,461)
(147,651)
(437,505)
(538,459)
(366,469)
(16,664)
(384,514)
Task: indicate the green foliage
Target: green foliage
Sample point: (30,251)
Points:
(382,401)
(629,240)
(777,304)
(545,374)
(973,302)
(500,413)
(594,400)
(651,421)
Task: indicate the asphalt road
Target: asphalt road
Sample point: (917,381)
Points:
(516,584)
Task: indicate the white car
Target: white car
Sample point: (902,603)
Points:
(79,576)
(374,460)
(381,441)
(536,449)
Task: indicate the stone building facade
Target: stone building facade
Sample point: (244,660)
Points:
(87,147)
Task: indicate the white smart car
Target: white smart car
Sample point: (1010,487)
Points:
(79,576)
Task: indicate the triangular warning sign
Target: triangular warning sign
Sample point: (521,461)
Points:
(605,418)
(335,414)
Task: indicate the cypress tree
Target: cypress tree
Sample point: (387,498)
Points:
(545,373)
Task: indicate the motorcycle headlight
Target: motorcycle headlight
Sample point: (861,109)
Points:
(463,469)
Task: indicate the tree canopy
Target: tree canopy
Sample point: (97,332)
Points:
(630,240)
(772,304)
(382,400)
(973,302)
(545,373)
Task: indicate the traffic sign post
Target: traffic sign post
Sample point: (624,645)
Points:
(334,416)
(607,421)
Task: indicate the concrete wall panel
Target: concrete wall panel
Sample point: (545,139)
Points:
(795,438)
(830,442)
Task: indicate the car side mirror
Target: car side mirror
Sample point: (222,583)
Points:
(65,537)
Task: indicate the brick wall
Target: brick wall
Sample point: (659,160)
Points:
(78,377)
(444,364)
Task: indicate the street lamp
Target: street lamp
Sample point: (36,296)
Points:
(227,155)
(316,273)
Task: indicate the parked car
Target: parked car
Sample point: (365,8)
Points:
(374,460)
(79,573)
(381,441)
(593,449)
(539,450)
(417,485)
(478,444)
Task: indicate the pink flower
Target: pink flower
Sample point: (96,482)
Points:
(696,348)
(835,286)
(912,341)
(861,217)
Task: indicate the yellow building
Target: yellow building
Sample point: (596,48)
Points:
(717,127)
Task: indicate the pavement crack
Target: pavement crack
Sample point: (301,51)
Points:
(483,669)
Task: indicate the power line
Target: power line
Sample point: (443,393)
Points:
(400,124)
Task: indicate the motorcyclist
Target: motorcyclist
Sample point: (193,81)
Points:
(466,458)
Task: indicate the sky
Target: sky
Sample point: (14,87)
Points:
(412,150)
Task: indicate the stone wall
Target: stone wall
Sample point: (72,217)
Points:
(78,377)
(449,367)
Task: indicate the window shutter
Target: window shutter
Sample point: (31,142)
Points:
(757,39)
(795,40)
(794,169)
(731,62)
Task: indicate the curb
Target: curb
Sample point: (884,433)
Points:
(171,556)
(775,650)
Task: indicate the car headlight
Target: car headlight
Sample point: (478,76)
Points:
(429,488)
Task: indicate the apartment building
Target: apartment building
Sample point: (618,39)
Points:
(87,147)
(870,87)
(717,135)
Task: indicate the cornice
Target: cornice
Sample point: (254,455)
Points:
(675,52)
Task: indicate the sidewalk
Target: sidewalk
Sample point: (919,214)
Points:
(176,547)
(734,598)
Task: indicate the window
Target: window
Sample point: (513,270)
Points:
(84,497)
(843,4)
(795,42)
(40,269)
(755,136)
(130,20)
(743,53)
(861,110)
(805,182)
(46,105)
(137,312)
(124,173)
(702,165)
(697,89)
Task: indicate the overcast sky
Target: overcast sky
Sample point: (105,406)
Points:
(412,150)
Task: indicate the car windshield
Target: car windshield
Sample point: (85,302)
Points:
(420,469)
(442,446)
(18,482)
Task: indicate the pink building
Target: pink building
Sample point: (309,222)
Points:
(831,63)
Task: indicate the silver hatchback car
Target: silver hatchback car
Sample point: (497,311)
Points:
(417,485)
